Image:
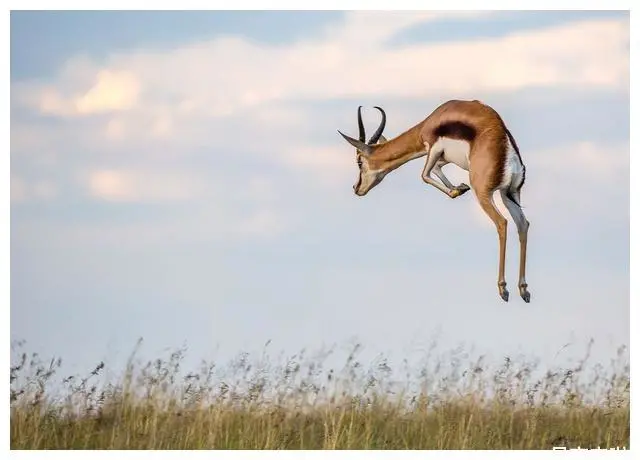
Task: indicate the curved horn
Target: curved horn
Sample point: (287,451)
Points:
(361,135)
(378,133)
(361,146)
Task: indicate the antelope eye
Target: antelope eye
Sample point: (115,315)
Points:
(359,162)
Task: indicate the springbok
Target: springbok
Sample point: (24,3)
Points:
(472,136)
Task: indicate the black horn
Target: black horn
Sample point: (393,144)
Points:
(360,125)
(378,133)
(361,146)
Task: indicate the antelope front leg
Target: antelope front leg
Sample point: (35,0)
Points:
(437,170)
(452,192)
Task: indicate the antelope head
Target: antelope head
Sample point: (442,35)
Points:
(369,175)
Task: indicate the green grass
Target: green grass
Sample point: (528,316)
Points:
(450,402)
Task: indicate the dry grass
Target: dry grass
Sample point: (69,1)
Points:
(455,402)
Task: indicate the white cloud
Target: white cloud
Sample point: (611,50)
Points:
(195,208)
(372,28)
(156,106)
(227,75)
(213,202)
(112,91)
(122,185)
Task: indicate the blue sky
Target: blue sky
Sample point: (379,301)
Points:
(178,177)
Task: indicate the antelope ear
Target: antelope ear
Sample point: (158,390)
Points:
(382,139)
(361,146)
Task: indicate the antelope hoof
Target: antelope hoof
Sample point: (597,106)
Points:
(502,290)
(526,295)
(459,190)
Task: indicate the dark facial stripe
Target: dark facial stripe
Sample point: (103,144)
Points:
(456,130)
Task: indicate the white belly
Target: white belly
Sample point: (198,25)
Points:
(454,151)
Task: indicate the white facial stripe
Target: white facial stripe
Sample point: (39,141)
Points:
(368,178)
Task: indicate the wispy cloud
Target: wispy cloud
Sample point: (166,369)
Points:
(110,92)
(234,98)
(220,77)
(142,186)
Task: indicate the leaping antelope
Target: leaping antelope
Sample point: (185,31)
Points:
(472,136)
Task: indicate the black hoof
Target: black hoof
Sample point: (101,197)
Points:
(463,188)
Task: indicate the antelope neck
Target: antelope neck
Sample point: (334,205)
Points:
(398,151)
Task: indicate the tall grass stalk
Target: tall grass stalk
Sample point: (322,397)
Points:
(300,403)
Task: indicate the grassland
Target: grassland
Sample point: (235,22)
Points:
(455,401)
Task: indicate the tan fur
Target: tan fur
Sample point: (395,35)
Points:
(487,156)
(489,126)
